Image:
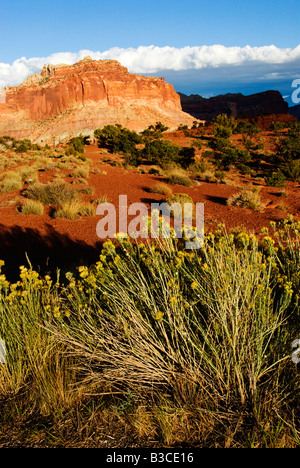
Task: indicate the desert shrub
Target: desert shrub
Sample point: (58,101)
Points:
(44,163)
(224,126)
(220,144)
(51,194)
(246,128)
(292,170)
(133,158)
(27,172)
(6,141)
(79,182)
(162,189)
(22,146)
(177,204)
(179,198)
(155,151)
(276,126)
(231,156)
(245,169)
(154,131)
(182,128)
(199,167)
(81,172)
(193,346)
(225,121)
(180,179)
(10,181)
(220,175)
(156,170)
(207,176)
(74,209)
(220,131)
(34,207)
(100,200)
(186,157)
(86,190)
(289,147)
(117,139)
(81,157)
(10,185)
(196,144)
(246,199)
(160,151)
(276,179)
(76,145)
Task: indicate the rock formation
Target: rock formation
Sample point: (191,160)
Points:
(234,105)
(295,110)
(63,101)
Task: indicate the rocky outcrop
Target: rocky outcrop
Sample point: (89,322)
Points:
(63,100)
(295,110)
(234,105)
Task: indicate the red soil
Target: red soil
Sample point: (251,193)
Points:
(60,242)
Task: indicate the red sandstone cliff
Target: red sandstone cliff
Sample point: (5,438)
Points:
(64,100)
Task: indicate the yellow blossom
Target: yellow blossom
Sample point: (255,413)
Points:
(159,315)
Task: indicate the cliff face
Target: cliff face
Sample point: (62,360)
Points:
(63,100)
(234,105)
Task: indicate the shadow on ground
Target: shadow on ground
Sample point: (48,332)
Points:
(46,253)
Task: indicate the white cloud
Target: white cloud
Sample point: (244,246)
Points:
(151,59)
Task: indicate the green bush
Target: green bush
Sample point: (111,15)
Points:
(117,139)
(156,151)
(289,147)
(276,179)
(154,131)
(292,170)
(246,128)
(22,146)
(160,152)
(76,145)
(220,144)
(220,131)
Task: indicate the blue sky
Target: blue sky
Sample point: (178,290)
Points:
(41,30)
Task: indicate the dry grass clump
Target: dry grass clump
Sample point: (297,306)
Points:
(74,210)
(10,181)
(87,190)
(52,193)
(246,199)
(82,172)
(27,173)
(179,177)
(180,204)
(29,207)
(44,163)
(207,176)
(100,200)
(162,189)
(155,170)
